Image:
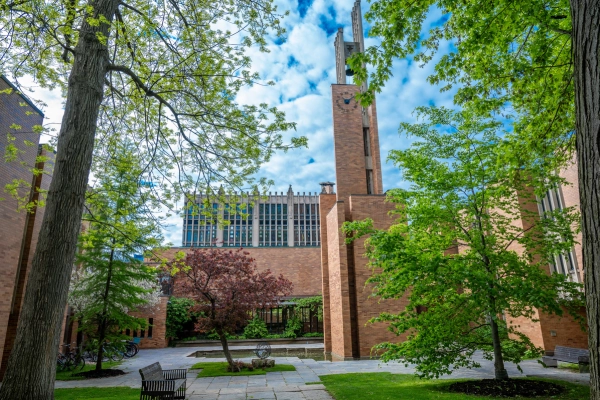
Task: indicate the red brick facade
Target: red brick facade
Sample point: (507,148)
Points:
(550,331)
(301,265)
(347,303)
(18,229)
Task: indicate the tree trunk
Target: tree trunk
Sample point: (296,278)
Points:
(499,370)
(100,349)
(103,320)
(32,364)
(586,42)
(223,339)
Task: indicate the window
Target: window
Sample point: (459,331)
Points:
(367,142)
(564,264)
(273,222)
(306,223)
(369,181)
(150,326)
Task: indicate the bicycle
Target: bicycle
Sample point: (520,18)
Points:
(70,360)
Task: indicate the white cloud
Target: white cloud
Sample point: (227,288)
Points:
(303,68)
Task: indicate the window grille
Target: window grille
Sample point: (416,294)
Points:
(238,232)
(200,230)
(565,264)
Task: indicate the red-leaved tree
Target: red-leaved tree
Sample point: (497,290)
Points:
(226,287)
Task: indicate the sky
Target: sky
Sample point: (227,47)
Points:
(302,65)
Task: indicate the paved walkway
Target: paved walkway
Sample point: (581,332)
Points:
(289,385)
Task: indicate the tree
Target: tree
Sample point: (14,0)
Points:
(178,314)
(165,74)
(111,282)
(534,61)
(226,289)
(466,251)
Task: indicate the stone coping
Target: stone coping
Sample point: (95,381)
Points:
(248,342)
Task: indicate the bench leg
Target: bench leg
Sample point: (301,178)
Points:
(180,393)
(550,362)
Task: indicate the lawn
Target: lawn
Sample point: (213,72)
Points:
(68,375)
(384,385)
(220,369)
(95,393)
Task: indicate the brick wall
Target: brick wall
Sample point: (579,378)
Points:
(375,152)
(158,313)
(326,202)
(376,208)
(339,291)
(570,195)
(301,265)
(348,145)
(550,330)
(41,184)
(14,109)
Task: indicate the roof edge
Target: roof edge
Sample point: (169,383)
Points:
(27,100)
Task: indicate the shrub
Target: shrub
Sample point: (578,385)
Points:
(313,334)
(178,314)
(256,329)
(293,327)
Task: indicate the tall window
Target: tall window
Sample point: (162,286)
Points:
(367,142)
(273,223)
(238,233)
(306,224)
(565,264)
(199,230)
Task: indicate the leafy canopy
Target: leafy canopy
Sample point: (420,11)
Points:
(469,247)
(110,282)
(226,288)
(511,58)
(174,71)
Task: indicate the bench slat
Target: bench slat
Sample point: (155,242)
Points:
(162,384)
(569,354)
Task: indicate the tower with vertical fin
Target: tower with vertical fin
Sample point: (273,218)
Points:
(346,303)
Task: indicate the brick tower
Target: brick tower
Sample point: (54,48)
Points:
(346,302)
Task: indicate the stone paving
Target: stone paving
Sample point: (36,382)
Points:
(289,385)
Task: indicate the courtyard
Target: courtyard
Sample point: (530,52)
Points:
(304,383)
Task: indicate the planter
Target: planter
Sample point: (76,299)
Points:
(260,363)
(247,342)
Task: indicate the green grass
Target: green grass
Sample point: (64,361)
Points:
(95,393)
(384,385)
(220,369)
(565,365)
(68,375)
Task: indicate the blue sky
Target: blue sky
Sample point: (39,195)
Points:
(302,65)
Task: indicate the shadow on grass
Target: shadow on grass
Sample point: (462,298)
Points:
(387,386)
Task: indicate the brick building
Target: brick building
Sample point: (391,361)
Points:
(549,331)
(299,235)
(19,229)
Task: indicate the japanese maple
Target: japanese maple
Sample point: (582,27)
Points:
(226,288)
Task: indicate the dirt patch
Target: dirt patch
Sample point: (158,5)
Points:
(508,388)
(104,373)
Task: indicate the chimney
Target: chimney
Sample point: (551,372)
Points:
(327,187)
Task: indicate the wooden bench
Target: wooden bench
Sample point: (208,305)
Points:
(570,355)
(159,384)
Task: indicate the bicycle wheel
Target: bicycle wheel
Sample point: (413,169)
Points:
(116,355)
(129,351)
(78,362)
(68,364)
